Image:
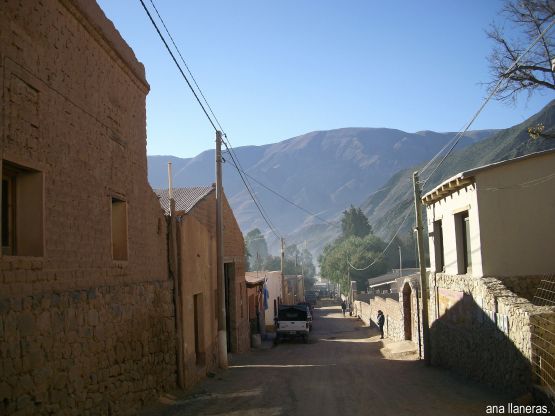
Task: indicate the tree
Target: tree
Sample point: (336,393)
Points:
(257,248)
(355,223)
(534,71)
(360,252)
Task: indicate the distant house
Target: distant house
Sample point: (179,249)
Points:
(272,282)
(195,209)
(491,248)
(255,296)
(294,286)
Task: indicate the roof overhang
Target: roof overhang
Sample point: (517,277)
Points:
(447,188)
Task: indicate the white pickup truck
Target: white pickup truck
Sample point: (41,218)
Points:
(292,321)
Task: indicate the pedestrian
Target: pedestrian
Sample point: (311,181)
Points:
(381,321)
(343,307)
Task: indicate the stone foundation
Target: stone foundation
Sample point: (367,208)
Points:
(106,350)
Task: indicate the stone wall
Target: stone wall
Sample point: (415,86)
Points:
(485,333)
(524,286)
(105,350)
(392,309)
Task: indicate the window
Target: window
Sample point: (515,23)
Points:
(22,211)
(438,246)
(462,231)
(119,229)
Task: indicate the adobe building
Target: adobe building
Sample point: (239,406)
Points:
(195,211)
(258,303)
(273,285)
(86,308)
(294,287)
(490,252)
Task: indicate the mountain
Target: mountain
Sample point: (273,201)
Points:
(322,171)
(387,209)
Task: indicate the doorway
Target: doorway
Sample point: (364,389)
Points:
(407,311)
(229,277)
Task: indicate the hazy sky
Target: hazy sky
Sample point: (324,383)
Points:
(272,70)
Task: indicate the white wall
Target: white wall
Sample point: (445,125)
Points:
(517,214)
(445,210)
(273,283)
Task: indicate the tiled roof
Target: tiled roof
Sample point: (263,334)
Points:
(185,198)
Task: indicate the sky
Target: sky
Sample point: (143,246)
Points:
(272,70)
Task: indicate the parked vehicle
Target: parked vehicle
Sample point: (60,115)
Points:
(309,310)
(292,322)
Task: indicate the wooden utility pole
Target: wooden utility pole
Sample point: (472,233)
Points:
(283,285)
(422,263)
(400,262)
(222,330)
(174,271)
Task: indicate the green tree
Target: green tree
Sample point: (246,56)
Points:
(355,223)
(257,249)
(359,252)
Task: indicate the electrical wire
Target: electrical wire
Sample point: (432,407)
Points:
(186,66)
(245,182)
(258,205)
(489,97)
(384,250)
(177,64)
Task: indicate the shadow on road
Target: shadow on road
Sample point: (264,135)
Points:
(340,372)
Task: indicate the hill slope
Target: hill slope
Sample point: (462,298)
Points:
(323,171)
(387,209)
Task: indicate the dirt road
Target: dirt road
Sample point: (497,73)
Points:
(340,372)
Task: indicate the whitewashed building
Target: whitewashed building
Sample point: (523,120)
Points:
(496,220)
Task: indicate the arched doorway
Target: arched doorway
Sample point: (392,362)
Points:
(407,311)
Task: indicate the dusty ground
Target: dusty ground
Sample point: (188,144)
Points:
(340,372)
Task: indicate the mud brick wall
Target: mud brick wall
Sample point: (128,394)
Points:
(80,332)
(234,252)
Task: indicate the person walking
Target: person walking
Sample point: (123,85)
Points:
(381,322)
(343,307)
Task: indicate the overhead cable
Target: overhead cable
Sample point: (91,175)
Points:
(384,250)
(489,97)
(177,64)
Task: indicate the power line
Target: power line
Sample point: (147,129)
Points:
(486,101)
(186,66)
(384,250)
(257,203)
(177,64)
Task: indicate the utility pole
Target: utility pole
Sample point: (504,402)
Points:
(174,271)
(222,330)
(400,263)
(283,285)
(421,261)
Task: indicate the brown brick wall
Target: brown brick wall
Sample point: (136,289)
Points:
(80,332)
(234,252)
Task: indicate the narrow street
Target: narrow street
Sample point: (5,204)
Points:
(340,372)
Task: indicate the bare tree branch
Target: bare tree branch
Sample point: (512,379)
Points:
(534,72)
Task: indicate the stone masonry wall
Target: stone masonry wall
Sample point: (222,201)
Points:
(392,309)
(486,335)
(106,350)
